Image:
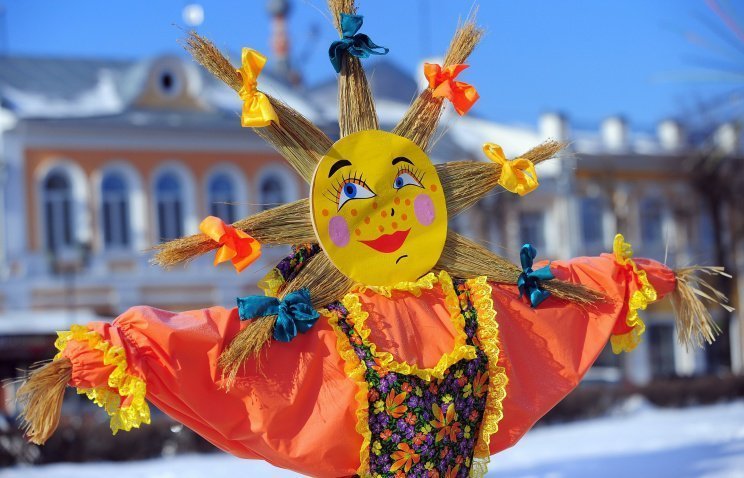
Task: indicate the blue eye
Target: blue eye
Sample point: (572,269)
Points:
(350,189)
(405,178)
(353,189)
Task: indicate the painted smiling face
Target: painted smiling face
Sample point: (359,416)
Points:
(378,208)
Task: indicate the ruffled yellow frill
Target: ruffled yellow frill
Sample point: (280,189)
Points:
(638,301)
(357,318)
(425,282)
(354,369)
(271,283)
(124,398)
(488,336)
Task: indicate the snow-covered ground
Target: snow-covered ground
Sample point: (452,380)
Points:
(638,442)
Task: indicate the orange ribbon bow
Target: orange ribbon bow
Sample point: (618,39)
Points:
(237,246)
(442,80)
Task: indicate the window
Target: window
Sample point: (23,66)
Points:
(272,192)
(651,217)
(168,83)
(57,204)
(115,211)
(532,229)
(222,197)
(170,204)
(592,230)
(661,349)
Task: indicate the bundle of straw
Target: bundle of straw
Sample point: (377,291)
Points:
(420,121)
(695,326)
(40,398)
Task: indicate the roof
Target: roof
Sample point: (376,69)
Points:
(66,88)
(106,91)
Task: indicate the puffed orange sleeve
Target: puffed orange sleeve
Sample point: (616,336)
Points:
(546,351)
(293,411)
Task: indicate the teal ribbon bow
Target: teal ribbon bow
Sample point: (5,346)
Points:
(529,280)
(355,44)
(294,313)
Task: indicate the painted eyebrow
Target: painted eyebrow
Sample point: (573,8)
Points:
(401,159)
(341,163)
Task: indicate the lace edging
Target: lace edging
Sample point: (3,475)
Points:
(425,282)
(461,350)
(271,283)
(354,369)
(488,335)
(124,398)
(638,301)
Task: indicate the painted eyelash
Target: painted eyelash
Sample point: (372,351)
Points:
(334,193)
(417,174)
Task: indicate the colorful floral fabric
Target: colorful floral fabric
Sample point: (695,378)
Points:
(420,428)
(291,265)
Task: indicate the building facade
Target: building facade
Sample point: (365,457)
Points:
(100,161)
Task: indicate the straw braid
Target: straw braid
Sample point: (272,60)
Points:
(298,140)
(420,121)
(356,106)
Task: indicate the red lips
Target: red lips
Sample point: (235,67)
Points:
(388,242)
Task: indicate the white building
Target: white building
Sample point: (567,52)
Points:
(100,160)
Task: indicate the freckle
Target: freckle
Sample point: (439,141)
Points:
(433,188)
(395,225)
(381,228)
(408,202)
(404,217)
(324,212)
(374,205)
(353,212)
(383,214)
(358,232)
(397,201)
(366,220)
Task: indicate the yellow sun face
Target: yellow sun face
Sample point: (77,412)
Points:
(378,208)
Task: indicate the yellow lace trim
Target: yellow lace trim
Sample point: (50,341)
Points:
(124,398)
(488,336)
(425,282)
(271,283)
(638,301)
(357,318)
(354,369)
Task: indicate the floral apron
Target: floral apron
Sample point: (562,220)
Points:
(422,428)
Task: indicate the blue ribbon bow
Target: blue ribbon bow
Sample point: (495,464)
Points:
(294,313)
(529,280)
(356,44)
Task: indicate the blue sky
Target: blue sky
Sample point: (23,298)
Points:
(589,59)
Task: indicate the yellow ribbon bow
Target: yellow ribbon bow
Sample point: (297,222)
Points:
(517,176)
(257,109)
(237,246)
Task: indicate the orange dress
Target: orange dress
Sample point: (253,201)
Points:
(303,408)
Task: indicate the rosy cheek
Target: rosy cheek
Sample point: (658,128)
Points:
(338,230)
(424,209)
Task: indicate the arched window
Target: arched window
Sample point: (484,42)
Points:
(222,197)
(272,192)
(58,217)
(115,211)
(170,206)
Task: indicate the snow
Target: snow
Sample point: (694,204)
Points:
(102,99)
(636,441)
